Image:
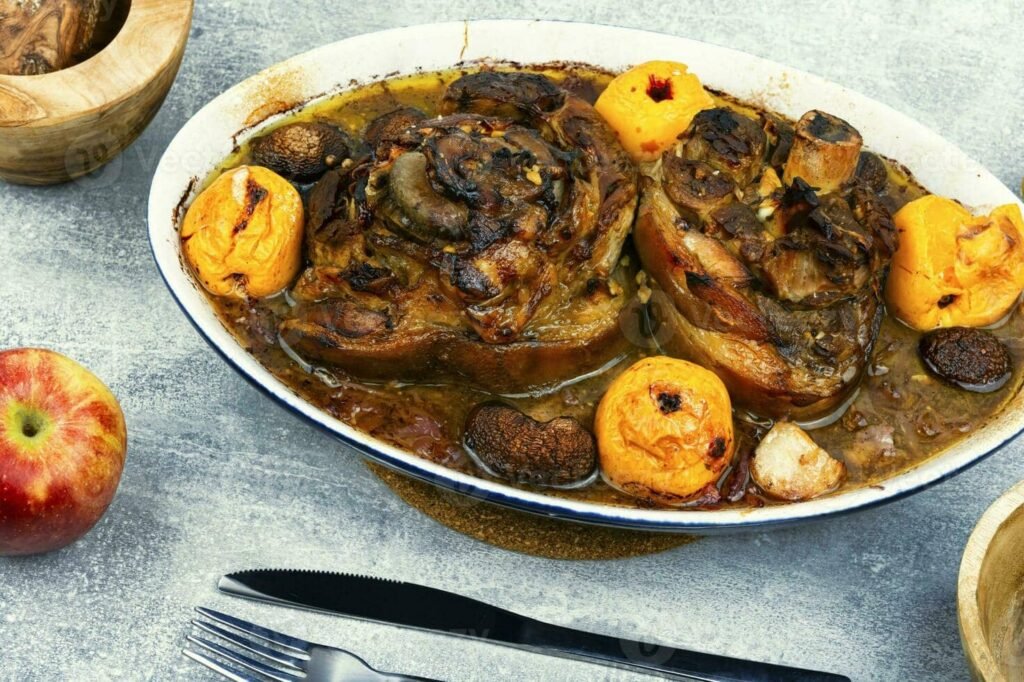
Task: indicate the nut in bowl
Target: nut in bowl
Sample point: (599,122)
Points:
(471,240)
(70,117)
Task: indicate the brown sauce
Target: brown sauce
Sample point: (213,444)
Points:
(900,416)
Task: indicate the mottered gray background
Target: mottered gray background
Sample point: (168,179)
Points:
(218,478)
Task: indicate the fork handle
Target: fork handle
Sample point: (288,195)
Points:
(388,677)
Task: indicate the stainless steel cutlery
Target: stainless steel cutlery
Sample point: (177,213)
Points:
(246,652)
(421,607)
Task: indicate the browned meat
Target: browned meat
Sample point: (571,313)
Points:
(776,289)
(489,238)
(729,142)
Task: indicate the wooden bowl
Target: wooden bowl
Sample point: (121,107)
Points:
(990,592)
(64,124)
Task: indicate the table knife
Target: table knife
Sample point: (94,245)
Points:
(427,608)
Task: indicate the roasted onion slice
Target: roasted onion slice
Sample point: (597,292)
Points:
(482,245)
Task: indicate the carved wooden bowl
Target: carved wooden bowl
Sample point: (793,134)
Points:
(60,125)
(991,592)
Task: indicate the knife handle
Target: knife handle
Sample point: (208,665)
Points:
(657,658)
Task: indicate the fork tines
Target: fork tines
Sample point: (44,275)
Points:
(286,661)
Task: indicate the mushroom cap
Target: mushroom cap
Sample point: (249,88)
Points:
(301,151)
(518,448)
(973,359)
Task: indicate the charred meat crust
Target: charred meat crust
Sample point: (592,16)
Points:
(476,230)
(695,187)
(784,306)
(508,95)
(727,141)
(452,355)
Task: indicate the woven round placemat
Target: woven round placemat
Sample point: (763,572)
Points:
(521,532)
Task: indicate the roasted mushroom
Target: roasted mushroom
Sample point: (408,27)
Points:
(393,131)
(499,225)
(518,448)
(302,151)
(973,359)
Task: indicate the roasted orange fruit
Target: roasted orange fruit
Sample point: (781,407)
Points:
(243,234)
(650,105)
(953,268)
(664,430)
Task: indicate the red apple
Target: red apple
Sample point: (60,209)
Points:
(62,447)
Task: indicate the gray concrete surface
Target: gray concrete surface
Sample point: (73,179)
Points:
(218,478)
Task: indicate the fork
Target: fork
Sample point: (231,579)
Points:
(293,659)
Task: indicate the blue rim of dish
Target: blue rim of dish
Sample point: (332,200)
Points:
(607,516)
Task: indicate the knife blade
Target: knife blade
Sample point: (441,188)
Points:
(426,608)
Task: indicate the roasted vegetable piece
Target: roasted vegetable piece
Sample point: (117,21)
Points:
(650,105)
(243,234)
(789,465)
(973,359)
(490,235)
(825,152)
(953,268)
(518,448)
(664,430)
(302,151)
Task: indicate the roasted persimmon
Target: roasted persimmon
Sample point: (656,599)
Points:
(650,105)
(953,268)
(664,430)
(243,234)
